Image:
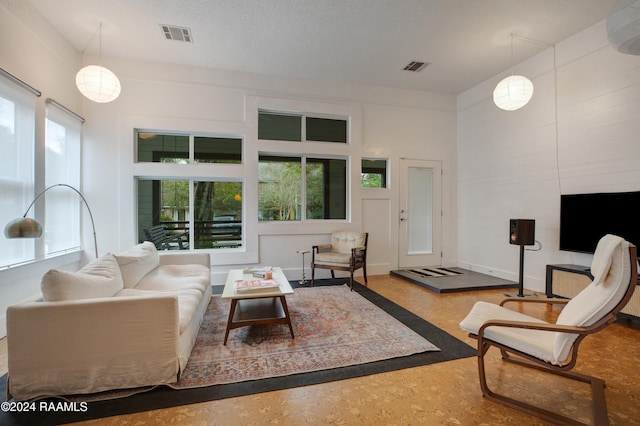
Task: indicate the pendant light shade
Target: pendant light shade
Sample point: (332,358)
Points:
(513,92)
(98,83)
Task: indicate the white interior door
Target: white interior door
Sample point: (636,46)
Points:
(419,232)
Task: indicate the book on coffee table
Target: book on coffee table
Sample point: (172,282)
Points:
(248,285)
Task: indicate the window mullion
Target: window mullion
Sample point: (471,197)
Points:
(191,214)
(303,190)
(303,130)
(191,148)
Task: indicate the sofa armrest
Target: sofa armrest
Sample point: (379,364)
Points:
(190,258)
(91,345)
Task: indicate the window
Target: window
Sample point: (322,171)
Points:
(174,148)
(280,188)
(326,130)
(279,126)
(62,157)
(210,211)
(154,148)
(217,150)
(326,188)
(17,124)
(374,173)
(289,127)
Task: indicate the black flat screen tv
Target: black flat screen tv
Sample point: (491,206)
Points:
(585,218)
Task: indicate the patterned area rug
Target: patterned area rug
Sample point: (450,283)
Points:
(333,327)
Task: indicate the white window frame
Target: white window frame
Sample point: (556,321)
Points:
(63,158)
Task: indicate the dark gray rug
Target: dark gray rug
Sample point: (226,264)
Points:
(449,280)
(164,397)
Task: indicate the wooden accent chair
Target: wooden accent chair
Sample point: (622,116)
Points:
(553,348)
(347,252)
(164,241)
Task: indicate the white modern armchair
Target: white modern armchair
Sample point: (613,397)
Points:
(553,348)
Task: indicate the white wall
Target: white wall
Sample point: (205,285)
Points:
(386,123)
(49,67)
(512,165)
(394,124)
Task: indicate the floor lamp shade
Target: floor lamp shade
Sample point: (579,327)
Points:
(98,83)
(513,92)
(23,227)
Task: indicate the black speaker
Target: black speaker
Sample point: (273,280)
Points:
(522,232)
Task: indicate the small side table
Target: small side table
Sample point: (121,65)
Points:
(304,280)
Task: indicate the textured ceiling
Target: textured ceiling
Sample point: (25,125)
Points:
(361,41)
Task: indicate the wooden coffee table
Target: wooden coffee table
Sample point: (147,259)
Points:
(261,306)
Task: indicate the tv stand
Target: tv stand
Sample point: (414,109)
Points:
(567,280)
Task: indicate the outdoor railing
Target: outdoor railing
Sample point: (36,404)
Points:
(211,234)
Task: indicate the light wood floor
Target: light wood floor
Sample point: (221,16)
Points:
(447,393)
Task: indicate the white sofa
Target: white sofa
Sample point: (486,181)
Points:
(122,321)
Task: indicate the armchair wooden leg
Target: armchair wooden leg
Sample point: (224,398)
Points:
(599,408)
(313,276)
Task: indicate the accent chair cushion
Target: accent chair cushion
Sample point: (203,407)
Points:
(333,258)
(137,262)
(535,342)
(99,278)
(344,241)
(602,295)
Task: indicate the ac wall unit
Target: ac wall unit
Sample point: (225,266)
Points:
(623,26)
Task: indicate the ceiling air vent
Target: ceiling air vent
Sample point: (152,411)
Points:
(177,33)
(415,66)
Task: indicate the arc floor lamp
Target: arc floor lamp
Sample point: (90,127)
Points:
(24,227)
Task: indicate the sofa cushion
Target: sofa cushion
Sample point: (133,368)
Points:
(99,278)
(188,301)
(137,262)
(177,277)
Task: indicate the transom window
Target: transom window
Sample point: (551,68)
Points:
(292,127)
(184,148)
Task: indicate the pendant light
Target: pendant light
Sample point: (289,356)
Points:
(513,92)
(98,83)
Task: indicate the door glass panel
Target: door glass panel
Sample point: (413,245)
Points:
(420,205)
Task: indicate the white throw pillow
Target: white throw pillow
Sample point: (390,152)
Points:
(99,278)
(137,262)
